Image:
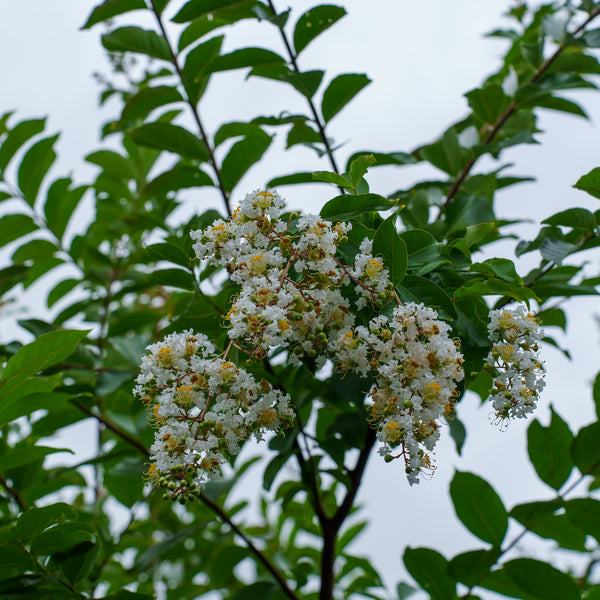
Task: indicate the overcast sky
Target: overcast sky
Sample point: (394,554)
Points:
(422,58)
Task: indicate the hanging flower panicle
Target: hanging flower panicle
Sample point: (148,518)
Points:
(518,372)
(416,367)
(203,408)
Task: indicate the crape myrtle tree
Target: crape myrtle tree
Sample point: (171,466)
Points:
(333,339)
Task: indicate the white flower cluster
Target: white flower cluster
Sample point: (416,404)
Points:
(291,280)
(417,366)
(204,408)
(518,373)
(295,294)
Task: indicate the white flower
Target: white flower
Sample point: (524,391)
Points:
(518,372)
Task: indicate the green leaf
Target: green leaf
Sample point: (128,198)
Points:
(548,449)
(585,513)
(261,590)
(340,91)
(479,507)
(489,102)
(46,350)
(596,392)
(578,218)
(16,137)
(420,289)
(292,179)
(540,518)
(359,167)
(590,183)
(343,208)
(197,63)
(113,164)
(61,202)
(34,167)
(174,278)
(458,433)
(430,570)
(13,227)
(446,154)
(61,538)
(198,8)
(23,455)
(301,133)
(169,252)
(243,58)
(555,250)
(172,138)
(470,567)
(34,394)
(541,580)
(556,103)
(136,39)
(242,156)
(314,22)
(177,178)
(111,8)
(404,590)
(34,250)
(146,100)
(334,178)
(307,83)
(391,246)
(586,449)
(35,520)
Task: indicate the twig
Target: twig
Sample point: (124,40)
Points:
(15,495)
(511,108)
(194,109)
(316,118)
(263,559)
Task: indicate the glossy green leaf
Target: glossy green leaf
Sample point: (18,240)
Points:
(359,167)
(112,8)
(479,507)
(391,246)
(197,66)
(585,449)
(242,156)
(35,520)
(138,40)
(61,538)
(590,183)
(430,570)
(334,178)
(177,178)
(446,154)
(174,278)
(548,449)
(419,289)
(113,164)
(301,133)
(340,91)
(46,350)
(169,252)
(342,208)
(13,227)
(172,138)
(541,580)
(17,136)
(140,105)
(540,518)
(23,455)
(579,218)
(470,567)
(34,167)
(292,179)
(489,102)
(307,82)
(198,8)
(585,514)
(314,22)
(61,202)
(243,58)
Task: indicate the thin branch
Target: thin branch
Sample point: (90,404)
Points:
(263,559)
(13,493)
(316,118)
(194,110)
(512,107)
